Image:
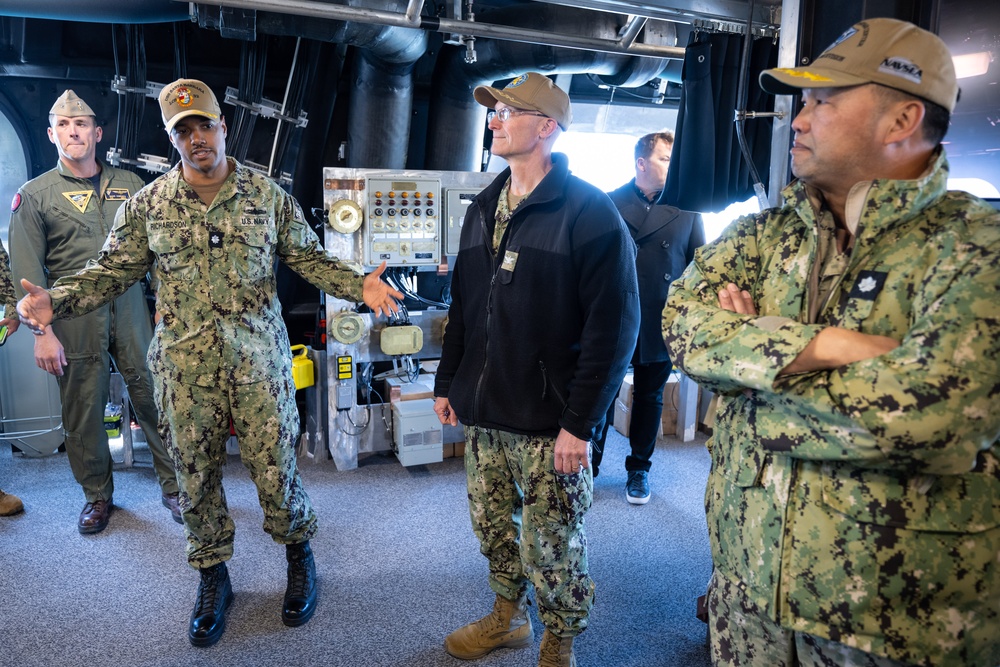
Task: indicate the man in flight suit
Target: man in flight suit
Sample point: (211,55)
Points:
(214,228)
(59,222)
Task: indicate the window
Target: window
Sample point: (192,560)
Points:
(969,28)
(13,170)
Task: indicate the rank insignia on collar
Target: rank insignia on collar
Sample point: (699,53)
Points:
(116,194)
(215,238)
(868,285)
(509,260)
(79,199)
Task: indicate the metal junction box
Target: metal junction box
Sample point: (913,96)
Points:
(417,437)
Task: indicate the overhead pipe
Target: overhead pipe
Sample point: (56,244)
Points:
(381,97)
(610,44)
(393,43)
(602,50)
(457,122)
(632,29)
(98,11)
(680,10)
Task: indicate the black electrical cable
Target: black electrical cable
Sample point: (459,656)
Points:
(397,283)
(741,99)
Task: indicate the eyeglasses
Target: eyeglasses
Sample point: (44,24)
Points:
(505,113)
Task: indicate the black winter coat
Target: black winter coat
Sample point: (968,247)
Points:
(539,333)
(667,238)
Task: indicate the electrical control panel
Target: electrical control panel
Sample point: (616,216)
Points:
(399,217)
(405,218)
(404,221)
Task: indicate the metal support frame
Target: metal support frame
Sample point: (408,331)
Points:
(687,409)
(781,131)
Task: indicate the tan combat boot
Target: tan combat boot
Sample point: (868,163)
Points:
(556,652)
(10,504)
(506,626)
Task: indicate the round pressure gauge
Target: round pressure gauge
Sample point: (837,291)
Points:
(345,216)
(347,328)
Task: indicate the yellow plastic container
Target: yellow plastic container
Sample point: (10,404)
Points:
(302,367)
(113,419)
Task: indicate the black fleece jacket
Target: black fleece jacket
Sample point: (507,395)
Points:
(540,333)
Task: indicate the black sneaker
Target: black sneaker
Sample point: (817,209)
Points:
(637,487)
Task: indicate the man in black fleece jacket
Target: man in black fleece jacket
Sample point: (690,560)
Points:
(544,316)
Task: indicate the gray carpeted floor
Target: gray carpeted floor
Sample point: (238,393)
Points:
(398,564)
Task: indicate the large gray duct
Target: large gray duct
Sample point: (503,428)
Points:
(378,124)
(98,11)
(457,121)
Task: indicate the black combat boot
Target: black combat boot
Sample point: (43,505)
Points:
(215,594)
(300,595)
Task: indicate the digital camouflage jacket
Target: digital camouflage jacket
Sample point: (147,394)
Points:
(221,319)
(8,300)
(860,504)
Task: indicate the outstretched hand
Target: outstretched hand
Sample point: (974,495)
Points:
(35,309)
(377,295)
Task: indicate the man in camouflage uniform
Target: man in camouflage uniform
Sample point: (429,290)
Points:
(9,504)
(853,334)
(543,319)
(221,352)
(59,222)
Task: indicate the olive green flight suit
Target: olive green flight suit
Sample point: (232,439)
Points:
(58,224)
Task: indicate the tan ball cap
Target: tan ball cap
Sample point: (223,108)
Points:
(187,97)
(70,105)
(889,52)
(530,91)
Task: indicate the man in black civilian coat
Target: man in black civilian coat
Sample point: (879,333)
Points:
(667,238)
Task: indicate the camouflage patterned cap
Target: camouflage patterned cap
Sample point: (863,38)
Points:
(187,97)
(70,105)
(889,52)
(530,91)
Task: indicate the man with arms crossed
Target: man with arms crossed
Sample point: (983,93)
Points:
(854,336)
